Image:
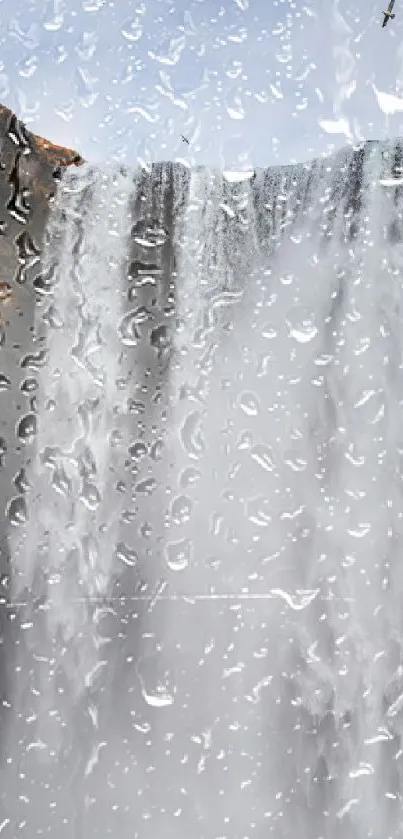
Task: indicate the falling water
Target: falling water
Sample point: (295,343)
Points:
(66,552)
(214,517)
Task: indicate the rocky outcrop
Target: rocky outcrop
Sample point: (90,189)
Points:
(51,153)
(30,167)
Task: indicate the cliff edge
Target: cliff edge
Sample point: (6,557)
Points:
(29,169)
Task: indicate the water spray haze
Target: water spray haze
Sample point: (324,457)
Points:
(208,559)
(65,555)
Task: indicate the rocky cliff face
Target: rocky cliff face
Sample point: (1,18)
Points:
(29,171)
(30,168)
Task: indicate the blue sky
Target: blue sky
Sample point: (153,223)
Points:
(251,82)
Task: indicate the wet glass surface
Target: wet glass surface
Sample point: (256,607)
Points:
(200,433)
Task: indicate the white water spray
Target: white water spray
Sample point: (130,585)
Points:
(255,688)
(66,555)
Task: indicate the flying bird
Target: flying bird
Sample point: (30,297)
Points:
(388,14)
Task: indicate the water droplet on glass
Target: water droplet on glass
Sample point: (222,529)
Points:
(44,283)
(134,406)
(49,456)
(132,30)
(157,687)
(16,511)
(34,361)
(189,477)
(301,326)
(235,110)
(269,331)
(21,482)
(137,450)
(90,495)
(191,435)
(127,329)
(160,698)
(144,273)
(178,554)
(126,555)
(53,318)
(5,292)
(258,511)
(159,337)
(115,439)
(235,176)
(249,404)
(93,5)
(128,516)
(27,428)
(156,450)
(148,234)
(145,530)
(5,382)
(181,509)
(146,487)
(29,385)
(60,481)
(263,456)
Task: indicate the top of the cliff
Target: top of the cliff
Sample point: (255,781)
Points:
(50,156)
(30,167)
(57,156)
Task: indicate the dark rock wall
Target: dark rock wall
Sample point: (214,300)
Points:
(29,169)
(29,172)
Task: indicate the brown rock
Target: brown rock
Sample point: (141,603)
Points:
(54,154)
(29,169)
(58,155)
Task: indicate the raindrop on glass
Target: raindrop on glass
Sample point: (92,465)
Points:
(90,495)
(16,511)
(249,404)
(178,554)
(126,555)
(27,428)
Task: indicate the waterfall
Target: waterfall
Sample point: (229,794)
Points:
(66,552)
(206,554)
